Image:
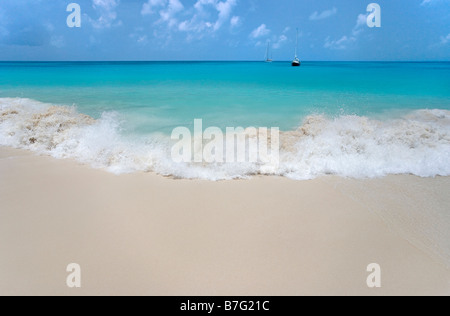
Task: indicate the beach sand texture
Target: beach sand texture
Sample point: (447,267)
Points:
(143,234)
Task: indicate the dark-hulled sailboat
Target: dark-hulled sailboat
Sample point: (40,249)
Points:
(296,62)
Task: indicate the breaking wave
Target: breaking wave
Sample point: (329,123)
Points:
(349,146)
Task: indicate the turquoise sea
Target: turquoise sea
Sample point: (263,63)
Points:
(358,119)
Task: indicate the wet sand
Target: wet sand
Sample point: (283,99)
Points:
(143,234)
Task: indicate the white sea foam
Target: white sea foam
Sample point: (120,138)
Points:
(62,132)
(350,146)
(358,147)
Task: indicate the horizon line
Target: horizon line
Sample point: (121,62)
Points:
(256,61)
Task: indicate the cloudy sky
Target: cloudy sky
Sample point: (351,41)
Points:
(224,30)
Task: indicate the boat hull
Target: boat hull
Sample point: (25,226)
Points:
(296,64)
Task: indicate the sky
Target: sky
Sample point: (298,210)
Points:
(37,30)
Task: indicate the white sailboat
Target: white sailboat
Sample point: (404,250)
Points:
(268,57)
(296,62)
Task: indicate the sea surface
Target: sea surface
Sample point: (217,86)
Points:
(352,119)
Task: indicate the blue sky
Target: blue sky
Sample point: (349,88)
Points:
(224,30)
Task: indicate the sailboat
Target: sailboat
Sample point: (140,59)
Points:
(268,57)
(296,62)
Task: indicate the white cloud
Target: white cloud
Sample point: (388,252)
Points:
(149,7)
(172,9)
(431,2)
(345,41)
(225,9)
(202,18)
(339,44)
(201,22)
(201,4)
(323,15)
(445,39)
(107,11)
(361,22)
(139,37)
(260,31)
(198,22)
(105,4)
(167,10)
(142,39)
(281,40)
(235,21)
(425,2)
(194,25)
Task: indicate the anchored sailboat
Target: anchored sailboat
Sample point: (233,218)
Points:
(268,57)
(296,62)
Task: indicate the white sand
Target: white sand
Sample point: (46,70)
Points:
(145,234)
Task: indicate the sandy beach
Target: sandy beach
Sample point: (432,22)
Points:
(143,234)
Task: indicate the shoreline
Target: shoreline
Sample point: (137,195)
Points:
(347,145)
(146,234)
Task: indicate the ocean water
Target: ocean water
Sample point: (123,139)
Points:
(344,118)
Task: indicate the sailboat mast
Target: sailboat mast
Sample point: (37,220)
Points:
(296,62)
(268,55)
